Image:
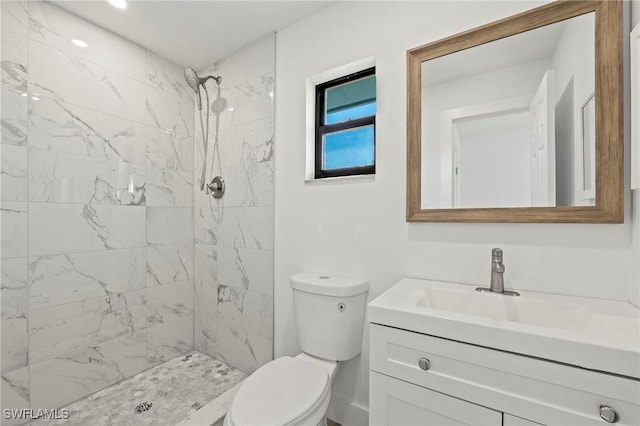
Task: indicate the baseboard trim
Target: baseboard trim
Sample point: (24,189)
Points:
(347,413)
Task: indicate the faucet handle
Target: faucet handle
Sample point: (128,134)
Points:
(496,252)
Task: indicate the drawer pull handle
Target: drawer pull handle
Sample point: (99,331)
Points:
(424,364)
(608,414)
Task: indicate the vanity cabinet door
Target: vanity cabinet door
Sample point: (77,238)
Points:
(398,403)
(509,420)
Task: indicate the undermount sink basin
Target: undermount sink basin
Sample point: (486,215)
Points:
(597,334)
(501,308)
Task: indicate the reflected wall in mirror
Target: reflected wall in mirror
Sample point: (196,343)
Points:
(519,120)
(499,120)
(587,151)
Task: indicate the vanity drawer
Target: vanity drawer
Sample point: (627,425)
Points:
(397,403)
(542,391)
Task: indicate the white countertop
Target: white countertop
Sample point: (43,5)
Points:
(597,334)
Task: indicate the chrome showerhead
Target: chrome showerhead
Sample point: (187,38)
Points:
(193,81)
(192,78)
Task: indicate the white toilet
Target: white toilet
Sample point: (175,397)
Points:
(296,391)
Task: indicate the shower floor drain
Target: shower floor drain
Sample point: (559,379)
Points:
(141,408)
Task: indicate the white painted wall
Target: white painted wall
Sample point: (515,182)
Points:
(574,57)
(565,148)
(573,60)
(357,228)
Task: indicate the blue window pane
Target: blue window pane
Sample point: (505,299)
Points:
(348,101)
(349,148)
(359,111)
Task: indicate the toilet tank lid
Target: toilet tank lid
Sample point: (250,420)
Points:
(328,285)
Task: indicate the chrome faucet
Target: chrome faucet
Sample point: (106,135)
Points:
(497,276)
(497,271)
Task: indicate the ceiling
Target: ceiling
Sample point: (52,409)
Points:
(519,49)
(193,33)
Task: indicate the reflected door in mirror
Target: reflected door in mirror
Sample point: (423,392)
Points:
(502,122)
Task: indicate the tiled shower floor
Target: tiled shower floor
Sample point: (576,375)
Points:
(176,388)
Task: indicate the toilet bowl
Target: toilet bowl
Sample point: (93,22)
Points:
(297,391)
(286,391)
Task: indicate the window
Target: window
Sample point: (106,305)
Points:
(345,125)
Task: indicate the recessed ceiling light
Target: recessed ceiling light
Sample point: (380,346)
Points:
(79,43)
(120,4)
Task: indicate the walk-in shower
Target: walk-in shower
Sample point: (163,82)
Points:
(217,186)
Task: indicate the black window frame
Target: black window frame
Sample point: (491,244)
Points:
(323,129)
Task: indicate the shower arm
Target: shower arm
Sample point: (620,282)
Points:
(217,79)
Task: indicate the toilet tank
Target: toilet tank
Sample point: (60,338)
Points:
(329,314)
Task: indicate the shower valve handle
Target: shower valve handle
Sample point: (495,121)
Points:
(216,187)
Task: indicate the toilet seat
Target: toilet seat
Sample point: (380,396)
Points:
(285,391)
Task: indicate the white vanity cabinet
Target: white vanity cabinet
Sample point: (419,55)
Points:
(418,379)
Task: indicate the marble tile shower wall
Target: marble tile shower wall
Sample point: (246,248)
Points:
(233,309)
(97,208)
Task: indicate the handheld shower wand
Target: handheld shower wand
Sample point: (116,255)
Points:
(192,79)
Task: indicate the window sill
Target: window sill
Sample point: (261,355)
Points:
(341,179)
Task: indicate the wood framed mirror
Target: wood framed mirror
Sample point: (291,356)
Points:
(501,119)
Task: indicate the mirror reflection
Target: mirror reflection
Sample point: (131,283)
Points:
(511,123)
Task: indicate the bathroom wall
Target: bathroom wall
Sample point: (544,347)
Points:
(573,61)
(356,227)
(97,221)
(234,235)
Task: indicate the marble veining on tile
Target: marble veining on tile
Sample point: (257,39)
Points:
(93,86)
(14,339)
(14,117)
(15,16)
(66,378)
(245,350)
(58,330)
(14,289)
(247,227)
(170,188)
(15,392)
(248,269)
(59,279)
(176,389)
(167,76)
(84,227)
(13,224)
(162,229)
(206,297)
(248,143)
(53,26)
(62,127)
(169,112)
(169,264)
(169,150)
(13,173)
(242,309)
(67,178)
(169,321)
(14,60)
